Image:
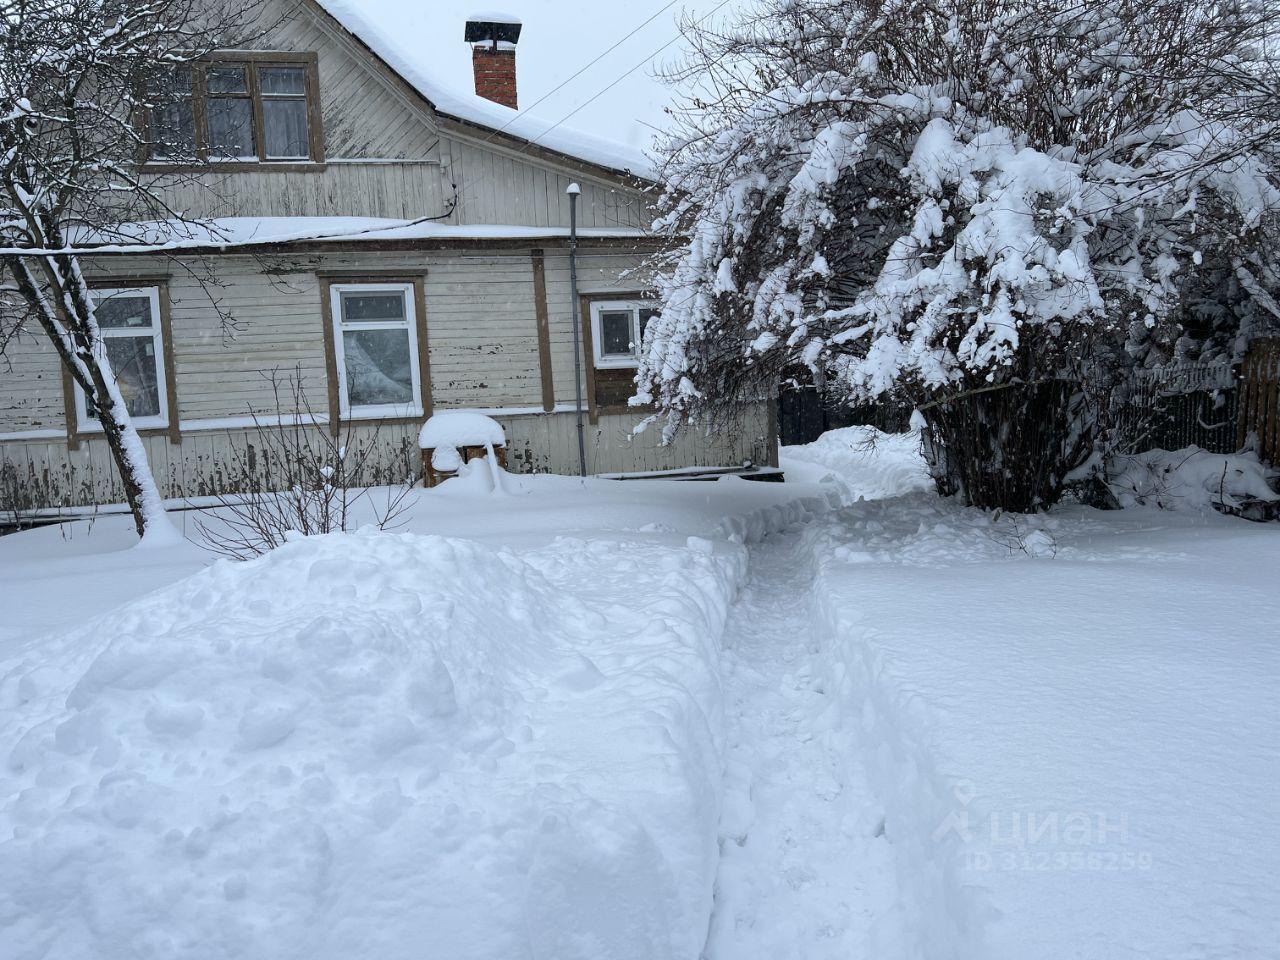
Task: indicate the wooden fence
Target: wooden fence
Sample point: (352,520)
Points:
(1260,398)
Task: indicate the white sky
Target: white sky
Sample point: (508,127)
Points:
(559,37)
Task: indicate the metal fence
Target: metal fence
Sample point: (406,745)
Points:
(1179,405)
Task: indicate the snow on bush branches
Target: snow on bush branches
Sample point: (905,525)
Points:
(931,195)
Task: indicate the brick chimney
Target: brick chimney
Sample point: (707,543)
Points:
(493,39)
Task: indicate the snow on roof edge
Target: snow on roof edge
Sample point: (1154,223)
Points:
(488,17)
(473,109)
(227,233)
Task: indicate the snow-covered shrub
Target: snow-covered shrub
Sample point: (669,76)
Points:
(953,200)
(1191,479)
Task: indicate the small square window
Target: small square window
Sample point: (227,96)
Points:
(617,331)
(283,81)
(226,80)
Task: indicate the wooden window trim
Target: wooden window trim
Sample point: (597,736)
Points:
(418,282)
(251,60)
(75,435)
(585,300)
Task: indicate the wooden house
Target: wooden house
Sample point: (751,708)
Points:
(397,245)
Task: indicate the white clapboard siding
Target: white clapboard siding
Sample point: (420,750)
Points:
(31,396)
(482,326)
(498,186)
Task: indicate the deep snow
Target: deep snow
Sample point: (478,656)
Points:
(59,576)
(380,743)
(1070,722)
(359,745)
(539,724)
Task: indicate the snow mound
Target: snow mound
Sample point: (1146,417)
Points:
(1190,479)
(862,462)
(363,745)
(460,428)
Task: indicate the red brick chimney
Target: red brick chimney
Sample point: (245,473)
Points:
(493,39)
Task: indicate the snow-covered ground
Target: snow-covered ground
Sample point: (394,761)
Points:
(650,719)
(61,575)
(504,742)
(1070,721)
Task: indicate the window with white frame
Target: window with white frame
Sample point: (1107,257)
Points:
(376,348)
(617,331)
(129,319)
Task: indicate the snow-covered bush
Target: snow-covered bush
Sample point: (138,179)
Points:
(977,205)
(1191,479)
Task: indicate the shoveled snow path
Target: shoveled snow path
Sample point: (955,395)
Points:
(805,870)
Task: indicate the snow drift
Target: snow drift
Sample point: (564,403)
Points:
(375,745)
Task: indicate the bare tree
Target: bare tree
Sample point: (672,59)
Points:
(89,91)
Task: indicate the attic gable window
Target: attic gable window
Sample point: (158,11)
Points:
(247,107)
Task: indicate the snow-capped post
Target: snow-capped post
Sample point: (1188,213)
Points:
(988,212)
(88,89)
(573,190)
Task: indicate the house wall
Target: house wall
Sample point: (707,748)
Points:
(483,353)
(388,155)
(492,188)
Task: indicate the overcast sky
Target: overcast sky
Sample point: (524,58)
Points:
(559,38)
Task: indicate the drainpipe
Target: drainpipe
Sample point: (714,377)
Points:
(573,191)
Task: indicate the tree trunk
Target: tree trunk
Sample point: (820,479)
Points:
(65,310)
(1011,447)
(130,456)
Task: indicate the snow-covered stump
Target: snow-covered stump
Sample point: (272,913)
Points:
(455,437)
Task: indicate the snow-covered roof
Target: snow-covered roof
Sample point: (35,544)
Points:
(485,17)
(455,100)
(227,232)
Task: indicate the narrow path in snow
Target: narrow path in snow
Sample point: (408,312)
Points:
(805,871)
